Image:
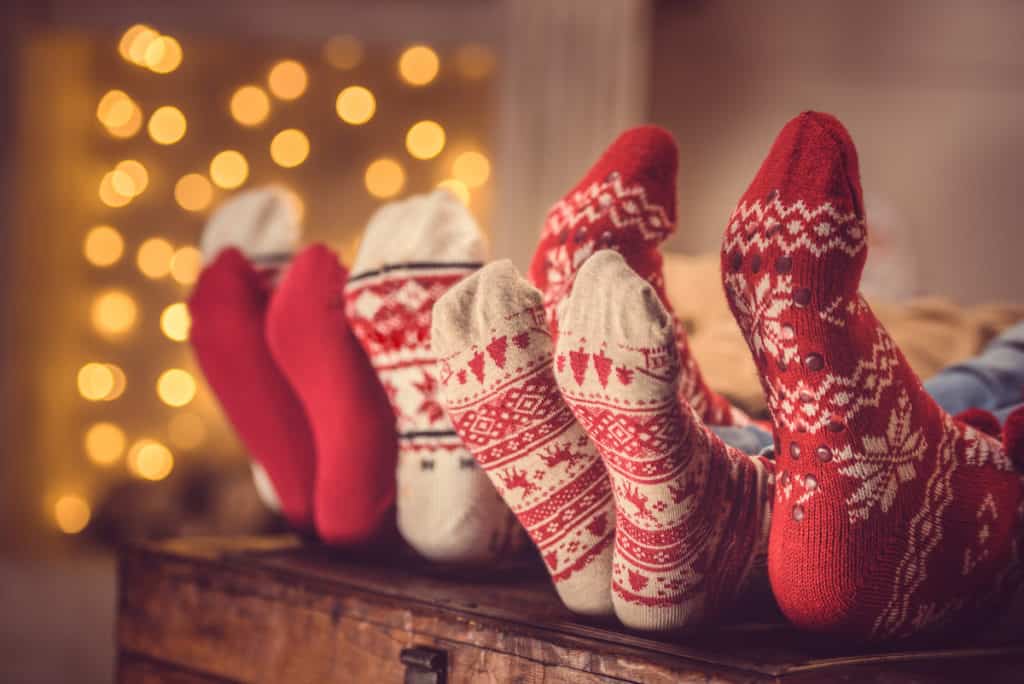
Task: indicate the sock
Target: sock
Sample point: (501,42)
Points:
(353,426)
(626,202)
(891,518)
(412,252)
(494,356)
(692,514)
(228,306)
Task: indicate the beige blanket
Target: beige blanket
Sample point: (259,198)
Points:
(932,332)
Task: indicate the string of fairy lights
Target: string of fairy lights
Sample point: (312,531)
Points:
(114,311)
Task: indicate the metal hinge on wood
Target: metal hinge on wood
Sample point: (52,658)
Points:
(424,665)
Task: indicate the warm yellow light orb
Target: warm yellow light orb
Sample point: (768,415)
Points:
(457,188)
(343,52)
(289,148)
(176,387)
(472,168)
(193,192)
(115,109)
(474,61)
(167,125)
(425,140)
(250,105)
(103,246)
(229,169)
(139,44)
(355,105)
(95,381)
(154,258)
(150,460)
(104,443)
(175,322)
(186,264)
(128,37)
(71,513)
(186,430)
(287,80)
(120,382)
(384,178)
(136,175)
(418,65)
(109,193)
(113,313)
(163,55)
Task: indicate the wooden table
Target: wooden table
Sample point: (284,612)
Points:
(272,609)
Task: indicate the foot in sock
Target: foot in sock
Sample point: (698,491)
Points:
(411,253)
(891,518)
(494,352)
(228,307)
(353,426)
(626,202)
(692,514)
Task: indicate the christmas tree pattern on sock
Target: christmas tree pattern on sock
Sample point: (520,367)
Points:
(626,202)
(692,514)
(353,426)
(494,353)
(891,518)
(413,251)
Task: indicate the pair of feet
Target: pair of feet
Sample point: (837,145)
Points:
(883,516)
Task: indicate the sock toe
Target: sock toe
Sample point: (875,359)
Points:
(262,223)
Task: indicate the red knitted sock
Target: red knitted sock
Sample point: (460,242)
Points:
(626,202)
(891,518)
(228,306)
(353,426)
(692,514)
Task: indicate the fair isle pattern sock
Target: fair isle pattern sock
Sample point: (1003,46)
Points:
(228,308)
(626,202)
(891,517)
(494,354)
(353,427)
(692,514)
(413,251)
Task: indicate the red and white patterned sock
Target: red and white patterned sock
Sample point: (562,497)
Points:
(626,202)
(353,426)
(228,307)
(494,352)
(411,253)
(692,514)
(891,518)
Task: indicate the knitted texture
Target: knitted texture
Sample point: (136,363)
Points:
(494,354)
(352,422)
(413,251)
(626,202)
(692,514)
(228,308)
(891,518)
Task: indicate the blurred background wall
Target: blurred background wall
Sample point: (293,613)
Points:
(110,434)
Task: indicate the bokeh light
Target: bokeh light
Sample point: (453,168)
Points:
(175,322)
(103,246)
(104,443)
(115,109)
(113,313)
(287,80)
(355,105)
(289,148)
(343,52)
(130,177)
(193,192)
(109,194)
(167,125)
(457,188)
(384,178)
(418,65)
(71,513)
(154,257)
(150,460)
(176,387)
(425,139)
(474,61)
(186,264)
(141,38)
(250,105)
(229,169)
(186,430)
(472,168)
(128,37)
(96,381)
(163,55)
